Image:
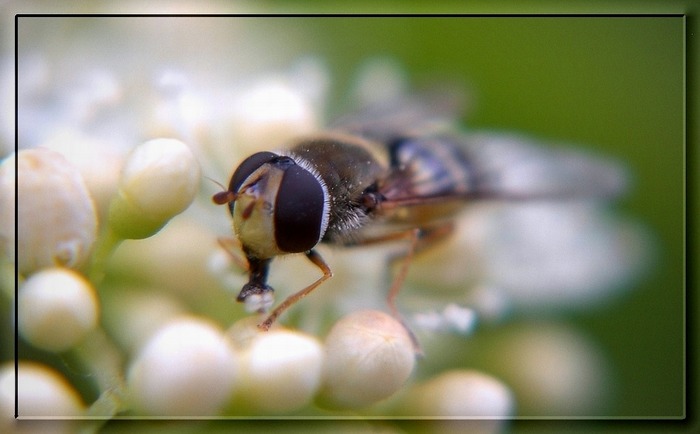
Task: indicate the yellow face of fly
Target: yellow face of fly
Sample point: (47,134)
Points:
(253,215)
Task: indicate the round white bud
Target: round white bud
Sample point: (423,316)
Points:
(41,392)
(98,161)
(187,368)
(271,112)
(461,393)
(134,315)
(158,181)
(280,369)
(57,307)
(369,355)
(553,371)
(56,220)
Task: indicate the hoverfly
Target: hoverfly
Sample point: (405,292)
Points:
(390,172)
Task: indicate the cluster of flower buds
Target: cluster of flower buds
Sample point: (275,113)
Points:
(60,241)
(180,364)
(191,367)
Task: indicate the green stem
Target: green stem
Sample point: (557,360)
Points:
(98,353)
(104,248)
(104,361)
(7,279)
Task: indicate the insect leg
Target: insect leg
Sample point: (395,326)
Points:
(327,274)
(411,235)
(233,247)
(397,282)
(420,240)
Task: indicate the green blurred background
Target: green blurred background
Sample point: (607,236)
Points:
(615,84)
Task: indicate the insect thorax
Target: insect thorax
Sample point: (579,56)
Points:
(349,167)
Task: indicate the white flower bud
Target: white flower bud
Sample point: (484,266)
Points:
(554,255)
(453,318)
(98,161)
(158,181)
(461,401)
(369,355)
(41,392)
(280,369)
(56,217)
(461,393)
(187,368)
(553,371)
(271,113)
(57,307)
(134,315)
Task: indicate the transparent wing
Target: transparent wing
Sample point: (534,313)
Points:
(496,166)
(430,162)
(407,115)
(514,166)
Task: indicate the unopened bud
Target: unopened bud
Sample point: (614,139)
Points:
(369,355)
(56,221)
(57,308)
(158,181)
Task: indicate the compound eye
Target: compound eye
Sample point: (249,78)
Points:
(300,209)
(246,168)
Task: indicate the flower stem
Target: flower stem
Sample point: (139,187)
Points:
(106,244)
(7,279)
(103,360)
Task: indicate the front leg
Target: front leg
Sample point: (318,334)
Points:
(234,249)
(318,261)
